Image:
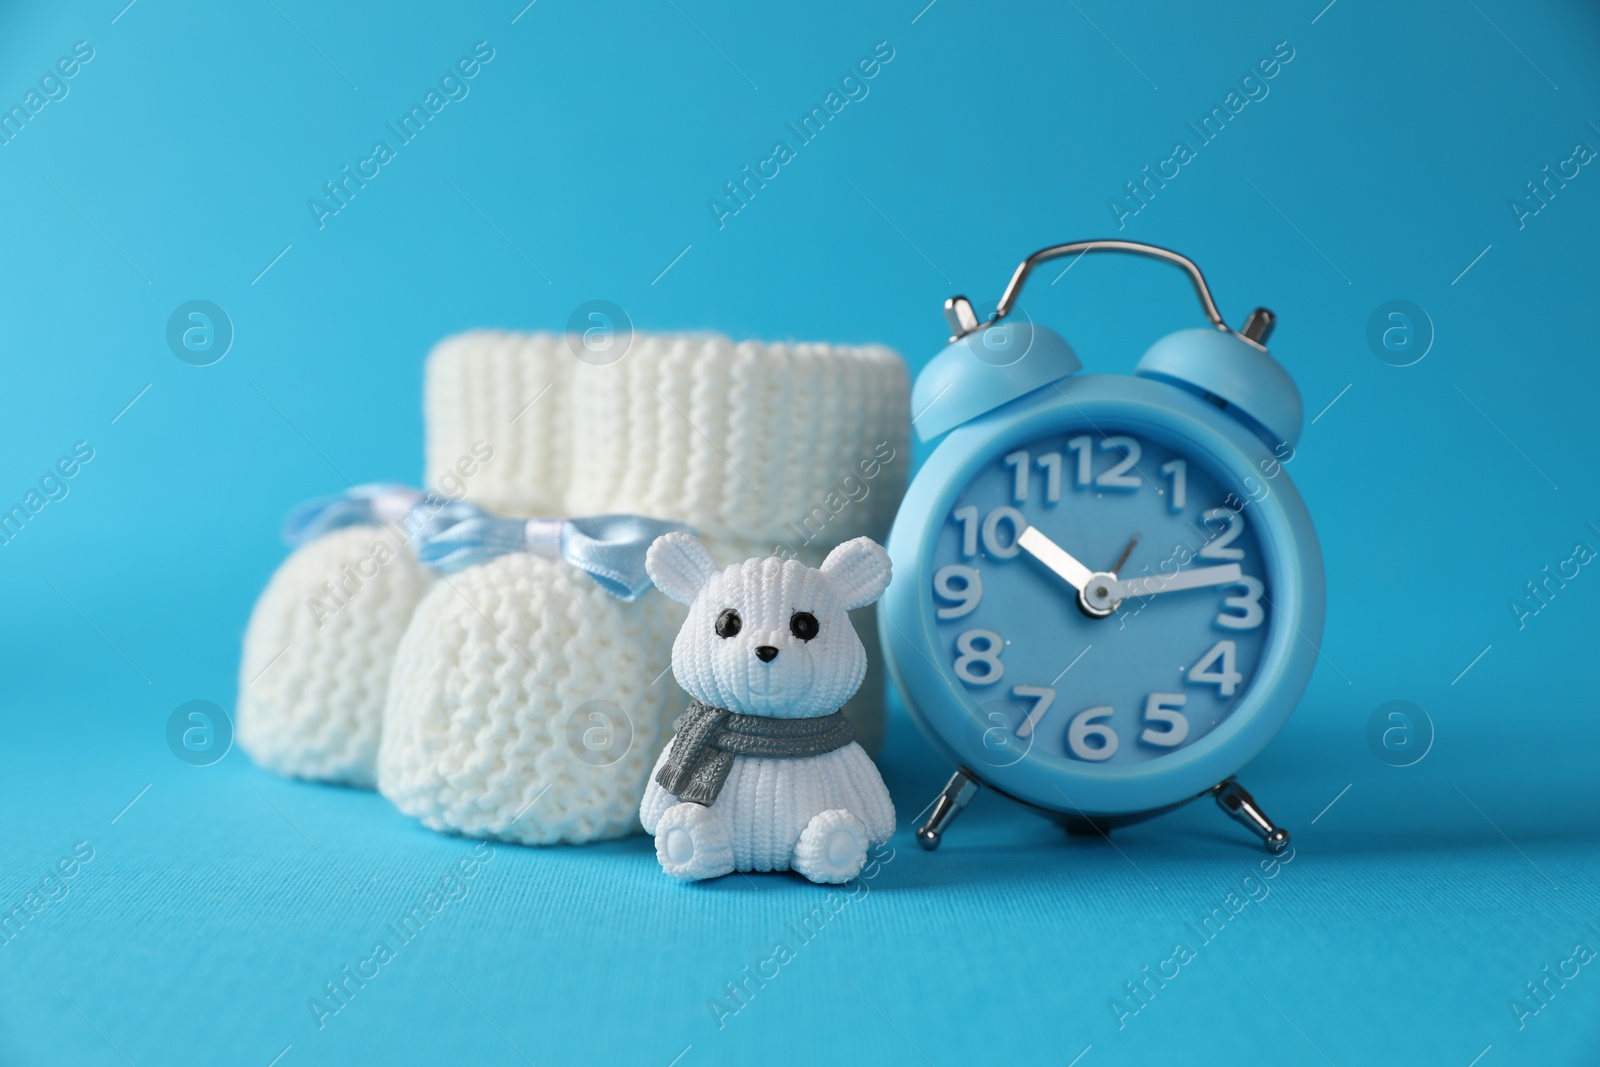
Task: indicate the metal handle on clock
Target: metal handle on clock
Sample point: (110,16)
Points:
(963,319)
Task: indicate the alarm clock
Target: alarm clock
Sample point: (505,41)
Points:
(1108,594)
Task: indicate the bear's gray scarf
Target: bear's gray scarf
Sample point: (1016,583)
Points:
(708,738)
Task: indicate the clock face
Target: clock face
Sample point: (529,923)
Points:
(1101,597)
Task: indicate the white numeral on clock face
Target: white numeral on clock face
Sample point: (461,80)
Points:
(1118,477)
(1161,709)
(979,649)
(1021,475)
(1217,667)
(1083,445)
(995,545)
(968,518)
(1178,471)
(1018,462)
(1086,725)
(1050,463)
(992,544)
(1089,737)
(1042,696)
(1115,478)
(1217,547)
(960,584)
(1248,603)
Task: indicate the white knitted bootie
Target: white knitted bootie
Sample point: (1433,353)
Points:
(787,449)
(528,704)
(321,640)
(784,448)
(509,391)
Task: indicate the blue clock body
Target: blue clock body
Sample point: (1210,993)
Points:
(1150,477)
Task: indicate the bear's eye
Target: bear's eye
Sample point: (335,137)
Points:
(803,625)
(728,623)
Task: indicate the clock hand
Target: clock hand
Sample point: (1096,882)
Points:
(1059,560)
(1094,587)
(1126,552)
(1198,578)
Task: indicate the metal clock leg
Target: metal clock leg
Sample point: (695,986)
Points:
(957,792)
(1234,799)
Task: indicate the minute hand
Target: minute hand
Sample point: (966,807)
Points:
(1198,578)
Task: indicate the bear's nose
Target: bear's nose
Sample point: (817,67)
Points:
(766,653)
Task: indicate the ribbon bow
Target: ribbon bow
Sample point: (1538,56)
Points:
(360,505)
(608,548)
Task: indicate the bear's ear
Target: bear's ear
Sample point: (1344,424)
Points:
(680,565)
(860,568)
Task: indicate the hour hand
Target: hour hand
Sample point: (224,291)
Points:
(1198,578)
(1059,560)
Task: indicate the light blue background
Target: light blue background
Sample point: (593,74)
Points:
(1379,167)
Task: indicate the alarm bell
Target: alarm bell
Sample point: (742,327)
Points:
(1234,372)
(989,365)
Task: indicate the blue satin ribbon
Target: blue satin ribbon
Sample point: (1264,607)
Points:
(434,514)
(378,504)
(360,505)
(608,548)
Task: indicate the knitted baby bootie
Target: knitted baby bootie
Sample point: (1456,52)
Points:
(321,640)
(507,393)
(786,449)
(531,690)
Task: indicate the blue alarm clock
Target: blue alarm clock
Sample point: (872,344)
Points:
(1108,594)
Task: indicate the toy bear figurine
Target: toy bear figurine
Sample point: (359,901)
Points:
(764,773)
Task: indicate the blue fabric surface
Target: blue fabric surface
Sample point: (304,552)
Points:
(1386,161)
(221,902)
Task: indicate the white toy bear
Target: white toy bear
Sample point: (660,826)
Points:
(763,773)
